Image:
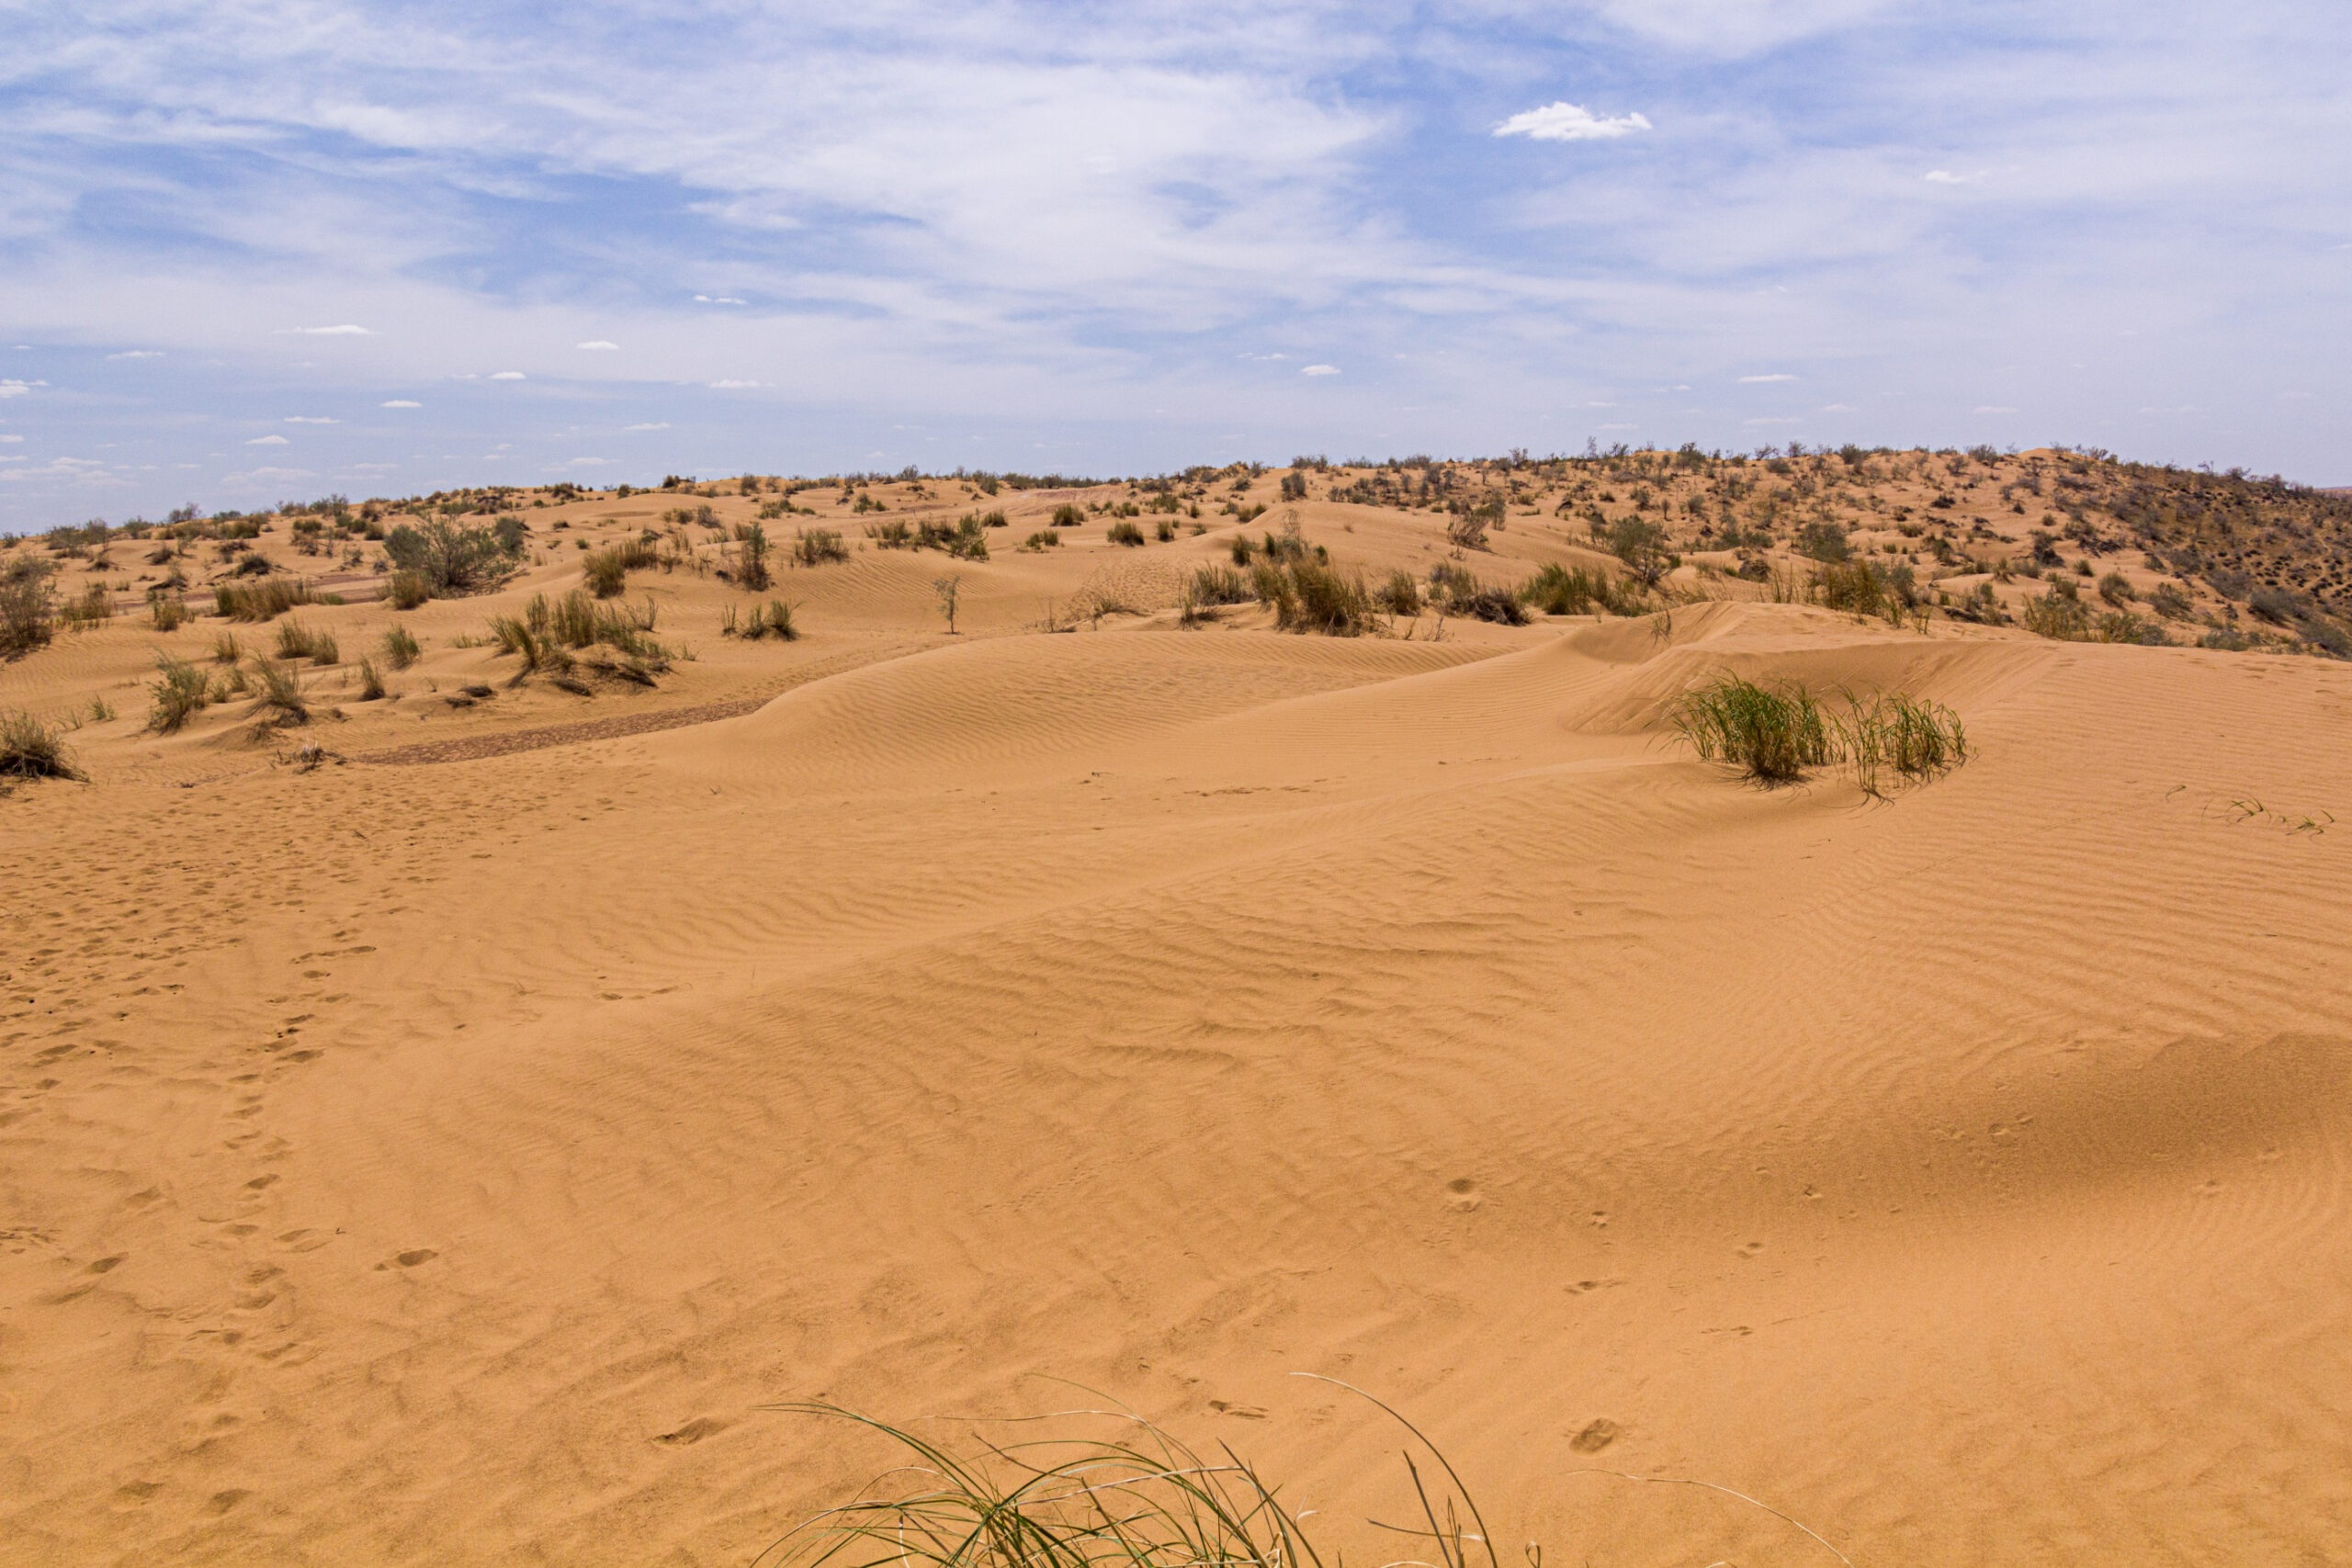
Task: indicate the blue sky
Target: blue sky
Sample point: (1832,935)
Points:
(269,249)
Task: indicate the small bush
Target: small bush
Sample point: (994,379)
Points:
(225,649)
(407,589)
(1066,516)
(1773,735)
(1044,538)
(167,612)
(400,647)
(1308,596)
(1401,595)
(1125,534)
(962,539)
(2116,589)
(2061,614)
(95,604)
(27,612)
(775,621)
(752,558)
(894,534)
(1494,604)
(1899,734)
(32,749)
(815,546)
(295,640)
(263,601)
(2169,602)
(279,704)
(180,693)
(2274,605)
(1209,587)
(455,560)
(1557,590)
(372,682)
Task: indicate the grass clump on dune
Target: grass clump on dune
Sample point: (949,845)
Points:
(1776,734)
(1557,590)
(263,601)
(1308,596)
(181,692)
(279,704)
(1773,735)
(400,647)
(775,621)
(32,749)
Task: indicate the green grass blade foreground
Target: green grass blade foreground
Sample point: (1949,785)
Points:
(1777,734)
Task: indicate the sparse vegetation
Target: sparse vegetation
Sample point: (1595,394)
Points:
(815,546)
(1125,534)
(263,601)
(454,560)
(400,647)
(1776,734)
(27,612)
(606,571)
(1208,588)
(774,621)
(279,703)
(167,611)
(180,693)
(372,682)
(1307,595)
(32,749)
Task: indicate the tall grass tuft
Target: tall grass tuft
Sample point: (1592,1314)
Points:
(1772,734)
(28,611)
(400,647)
(1308,596)
(32,749)
(168,611)
(263,601)
(775,621)
(279,704)
(1776,734)
(180,692)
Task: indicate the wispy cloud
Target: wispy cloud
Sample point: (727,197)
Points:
(346,330)
(1992,407)
(662,425)
(311,419)
(138,354)
(507,375)
(400,404)
(1570,122)
(1759,380)
(735,386)
(1948,177)
(1320,370)
(15,389)
(268,441)
(598,343)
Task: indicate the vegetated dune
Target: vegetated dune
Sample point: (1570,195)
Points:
(448,1164)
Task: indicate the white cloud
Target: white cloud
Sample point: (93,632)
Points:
(1947,178)
(717,299)
(589,463)
(1836,408)
(1320,370)
(1768,422)
(268,441)
(506,376)
(16,388)
(663,425)
(252,477)
(735,386)
(1569,123)
(346,330)
(12,440)
(1759,380)
(400,404)
(596,344)
(138,354)
(311,419)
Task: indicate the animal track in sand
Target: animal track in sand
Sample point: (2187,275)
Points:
(693,1431)
(1596,1435)
(1462,1194)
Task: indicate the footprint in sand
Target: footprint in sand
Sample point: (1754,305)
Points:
(1462,1194)
(1597,1435)
(693,1431)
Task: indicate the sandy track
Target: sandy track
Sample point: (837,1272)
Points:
(452,1170)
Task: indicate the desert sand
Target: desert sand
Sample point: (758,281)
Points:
(448,1153)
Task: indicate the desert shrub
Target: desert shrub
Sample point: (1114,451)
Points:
(2169,602)
(893,535)
(371,681)
(28,615)
(2274,605)
(2327,635)
(1308,596)
(1857,587)
(165,611)
(994,519)
(407,589)
(814,547)
(400,647)
(1496,605)
(95,604)
(1066,515)
(1125,534)
(279,703)
(1401,595)
(32,749)
(1642,546)
(962,538)
(1773,734)
(2123,625)
(1824,541)
(263,601)
(1242,550)
(1557,590)
(180,693)
(1209,587)
(1164,531)
(1044,538)
(774,621)
(752,557)
(2060,614)
(295,640)
(455,560)
(2116,589)
(605,574)
(225,649)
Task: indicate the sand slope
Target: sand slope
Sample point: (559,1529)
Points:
(443,1165)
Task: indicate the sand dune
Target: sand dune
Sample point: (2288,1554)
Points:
(446,1164)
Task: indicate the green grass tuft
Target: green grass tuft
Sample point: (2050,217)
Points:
(32,749)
